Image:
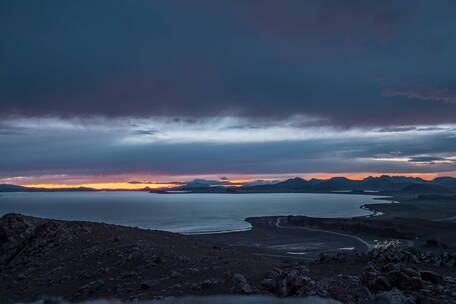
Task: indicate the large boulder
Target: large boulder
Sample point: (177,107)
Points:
(240,284)
(432,277)
(379,283)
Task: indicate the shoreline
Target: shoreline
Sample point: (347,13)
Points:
(422,220)
(254,225)
(233,223)
(335,234)
(268,239)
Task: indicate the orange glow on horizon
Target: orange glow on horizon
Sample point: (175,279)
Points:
(236,182)
(101,186)
(240,181)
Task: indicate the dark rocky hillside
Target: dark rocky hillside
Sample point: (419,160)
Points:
(82,260)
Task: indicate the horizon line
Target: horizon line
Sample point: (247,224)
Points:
(235,182)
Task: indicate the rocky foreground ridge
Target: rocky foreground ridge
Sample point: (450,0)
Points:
(77,261)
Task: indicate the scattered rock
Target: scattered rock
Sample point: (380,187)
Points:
(392,275)
(269,284)
(240,284)
(380,283)
(148,284)
(391,297)
(206,284)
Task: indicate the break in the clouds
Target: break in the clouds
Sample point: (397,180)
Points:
(185,88)
(235,146)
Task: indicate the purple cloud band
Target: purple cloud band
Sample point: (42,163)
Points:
(444,95)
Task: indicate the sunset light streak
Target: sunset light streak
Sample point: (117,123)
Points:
(101,186)
(236,182)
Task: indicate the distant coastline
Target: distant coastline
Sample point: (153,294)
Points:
(383,185)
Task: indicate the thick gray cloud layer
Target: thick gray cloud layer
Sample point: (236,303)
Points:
(62,147)
(353,62)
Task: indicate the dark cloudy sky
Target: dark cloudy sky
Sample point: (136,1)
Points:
(109,89)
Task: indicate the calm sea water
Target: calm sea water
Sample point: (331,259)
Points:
(185,213)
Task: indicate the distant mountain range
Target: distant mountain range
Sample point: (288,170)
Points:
(11,188)
(384,184)
(16,188)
